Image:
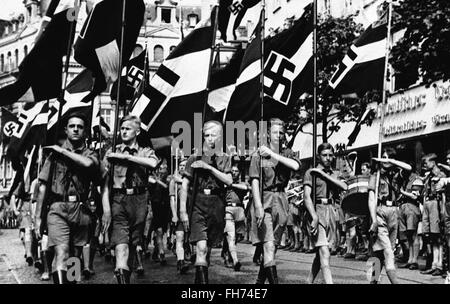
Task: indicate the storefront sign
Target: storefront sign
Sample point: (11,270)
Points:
(418,111)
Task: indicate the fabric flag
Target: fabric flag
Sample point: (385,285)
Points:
(132,75)
(369,112)
(31,129)
(288,73)
(97,46)
(178,89)
(223,83)
(9,125)
(234,13)
(44,58)
(362,69)
(77,97)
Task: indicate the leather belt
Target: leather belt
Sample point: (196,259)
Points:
(278,188)
(324,201)
(234,205)
(65,198)
(211,191)
(387,203)
(130,191)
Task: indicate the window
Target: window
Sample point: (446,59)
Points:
(8,59)
(193,20)
(25,51)
(106,114)
(165,15)
(158,53)
(16,56)
(2,63)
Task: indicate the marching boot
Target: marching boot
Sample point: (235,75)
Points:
(45,269)
(201,275)
(272,274)
(140,264)
(60,277)
(123,276)
(182,268)
(261,279)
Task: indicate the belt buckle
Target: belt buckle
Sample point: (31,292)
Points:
(72,198)
(207,191)
(324,201)
(389,203)
(130,191)
(233,204)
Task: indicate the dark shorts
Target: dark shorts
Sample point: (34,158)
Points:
(272,227)
(161,215)
(207,219)
(430,217)
(387,219)
(446,216)
(409,218)
(68,224)
(128,218)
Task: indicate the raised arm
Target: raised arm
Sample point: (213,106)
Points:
(337,182)
(78,159)
(240,186)
(148,162)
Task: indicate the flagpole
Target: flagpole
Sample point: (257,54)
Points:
(384,94)
(314,141)
(66,73)
(261,96)
(119,81)
(211,58)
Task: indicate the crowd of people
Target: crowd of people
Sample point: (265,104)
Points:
(129,202)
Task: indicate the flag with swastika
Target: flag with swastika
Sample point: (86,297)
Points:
(9,125)
(288,73)
(236,13)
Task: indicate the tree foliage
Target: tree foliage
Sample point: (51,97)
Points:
(335,36)
(424,50)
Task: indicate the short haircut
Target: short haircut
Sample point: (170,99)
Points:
(132,118)
(275,121)
(212,123)
(76,115)
(325,146)
(391,152)
(430,157)
(365,164)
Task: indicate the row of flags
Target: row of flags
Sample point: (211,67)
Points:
(185,82)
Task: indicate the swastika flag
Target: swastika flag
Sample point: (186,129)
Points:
(288,73)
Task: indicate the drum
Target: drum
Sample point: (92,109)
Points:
(356,198)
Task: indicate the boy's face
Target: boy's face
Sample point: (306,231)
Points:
(326,157)
(385,165)
(75,129)
(365,170)
(235,172)
(211,134)
(128,131)
(429,164)
(182,166)
(276,134)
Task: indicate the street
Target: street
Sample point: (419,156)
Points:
(293,268)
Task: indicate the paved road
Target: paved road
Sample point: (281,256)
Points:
(292,268)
